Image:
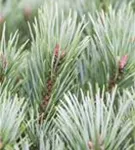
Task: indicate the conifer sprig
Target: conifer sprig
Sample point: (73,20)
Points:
(12,113)
(12,62)
(109,57)
(55,50)
(93,122)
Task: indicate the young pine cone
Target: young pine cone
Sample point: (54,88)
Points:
(27,12)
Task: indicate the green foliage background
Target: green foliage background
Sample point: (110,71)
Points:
(67,75)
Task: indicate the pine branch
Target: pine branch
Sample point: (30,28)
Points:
(11,62)
(103,61)
(93,123)
(56,48)
(12,112)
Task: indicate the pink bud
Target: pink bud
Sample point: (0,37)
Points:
(123,61)
(27,12)
(56,50)
(1,18)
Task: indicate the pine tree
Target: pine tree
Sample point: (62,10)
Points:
(67,73)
